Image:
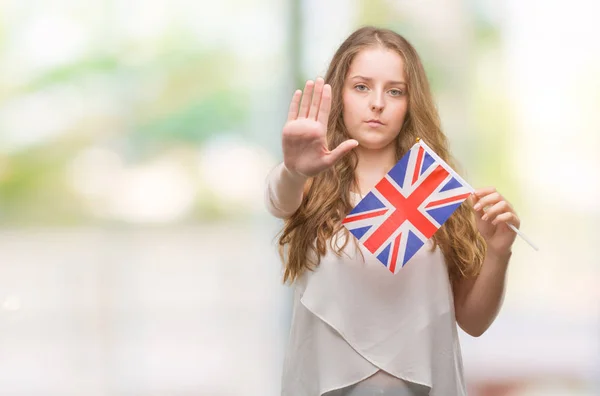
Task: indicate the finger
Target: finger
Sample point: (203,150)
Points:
(482,192)
(472,199)
(316,99)
(475,199)
(294,105)
(495,210)
(508,218)
(306,98)
(488,200)
(340,151)
(325,107)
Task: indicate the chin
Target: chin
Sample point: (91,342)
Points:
(373,144)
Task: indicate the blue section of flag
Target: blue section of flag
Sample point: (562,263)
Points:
(413,244)
(442,214)
(427,161)
(451,185)
(384,255)
(369,202)
(398,172)
(359,232)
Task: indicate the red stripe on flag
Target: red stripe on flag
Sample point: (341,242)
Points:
(406,208)
(392,266)
(428,186)
(424,225)
(418,166)
(364,216)
(443,201)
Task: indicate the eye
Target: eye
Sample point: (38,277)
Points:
(360,87)
(396,92)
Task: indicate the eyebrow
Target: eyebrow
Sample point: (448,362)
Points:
(370,79)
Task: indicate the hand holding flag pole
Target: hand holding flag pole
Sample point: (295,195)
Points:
(511,226)
(522,235)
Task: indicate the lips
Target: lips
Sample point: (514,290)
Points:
(374,123)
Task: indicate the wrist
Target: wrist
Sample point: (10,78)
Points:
(292,174)
(502,256)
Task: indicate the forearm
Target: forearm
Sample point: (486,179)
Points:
(284,191)
(476,311)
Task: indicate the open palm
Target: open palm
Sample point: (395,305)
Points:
(304,141)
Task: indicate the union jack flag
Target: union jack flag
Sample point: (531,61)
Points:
(395,219)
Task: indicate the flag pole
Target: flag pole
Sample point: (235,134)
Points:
(472,190)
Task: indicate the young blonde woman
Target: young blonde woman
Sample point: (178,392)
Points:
(356,328)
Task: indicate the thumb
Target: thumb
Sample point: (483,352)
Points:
(341,150)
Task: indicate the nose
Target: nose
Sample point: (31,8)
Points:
(377,104)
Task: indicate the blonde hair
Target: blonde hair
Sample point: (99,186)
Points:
(326,198)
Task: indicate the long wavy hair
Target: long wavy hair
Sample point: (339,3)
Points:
(308,232)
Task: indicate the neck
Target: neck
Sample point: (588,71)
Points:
(373,165)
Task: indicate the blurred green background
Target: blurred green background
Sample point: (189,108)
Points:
(136,255)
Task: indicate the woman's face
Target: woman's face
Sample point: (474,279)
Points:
(375,97)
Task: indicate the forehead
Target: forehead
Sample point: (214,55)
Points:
(378,63)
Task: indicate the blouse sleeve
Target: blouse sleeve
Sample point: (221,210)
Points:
(279,199)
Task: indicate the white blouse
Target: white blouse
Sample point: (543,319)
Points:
(357,329)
